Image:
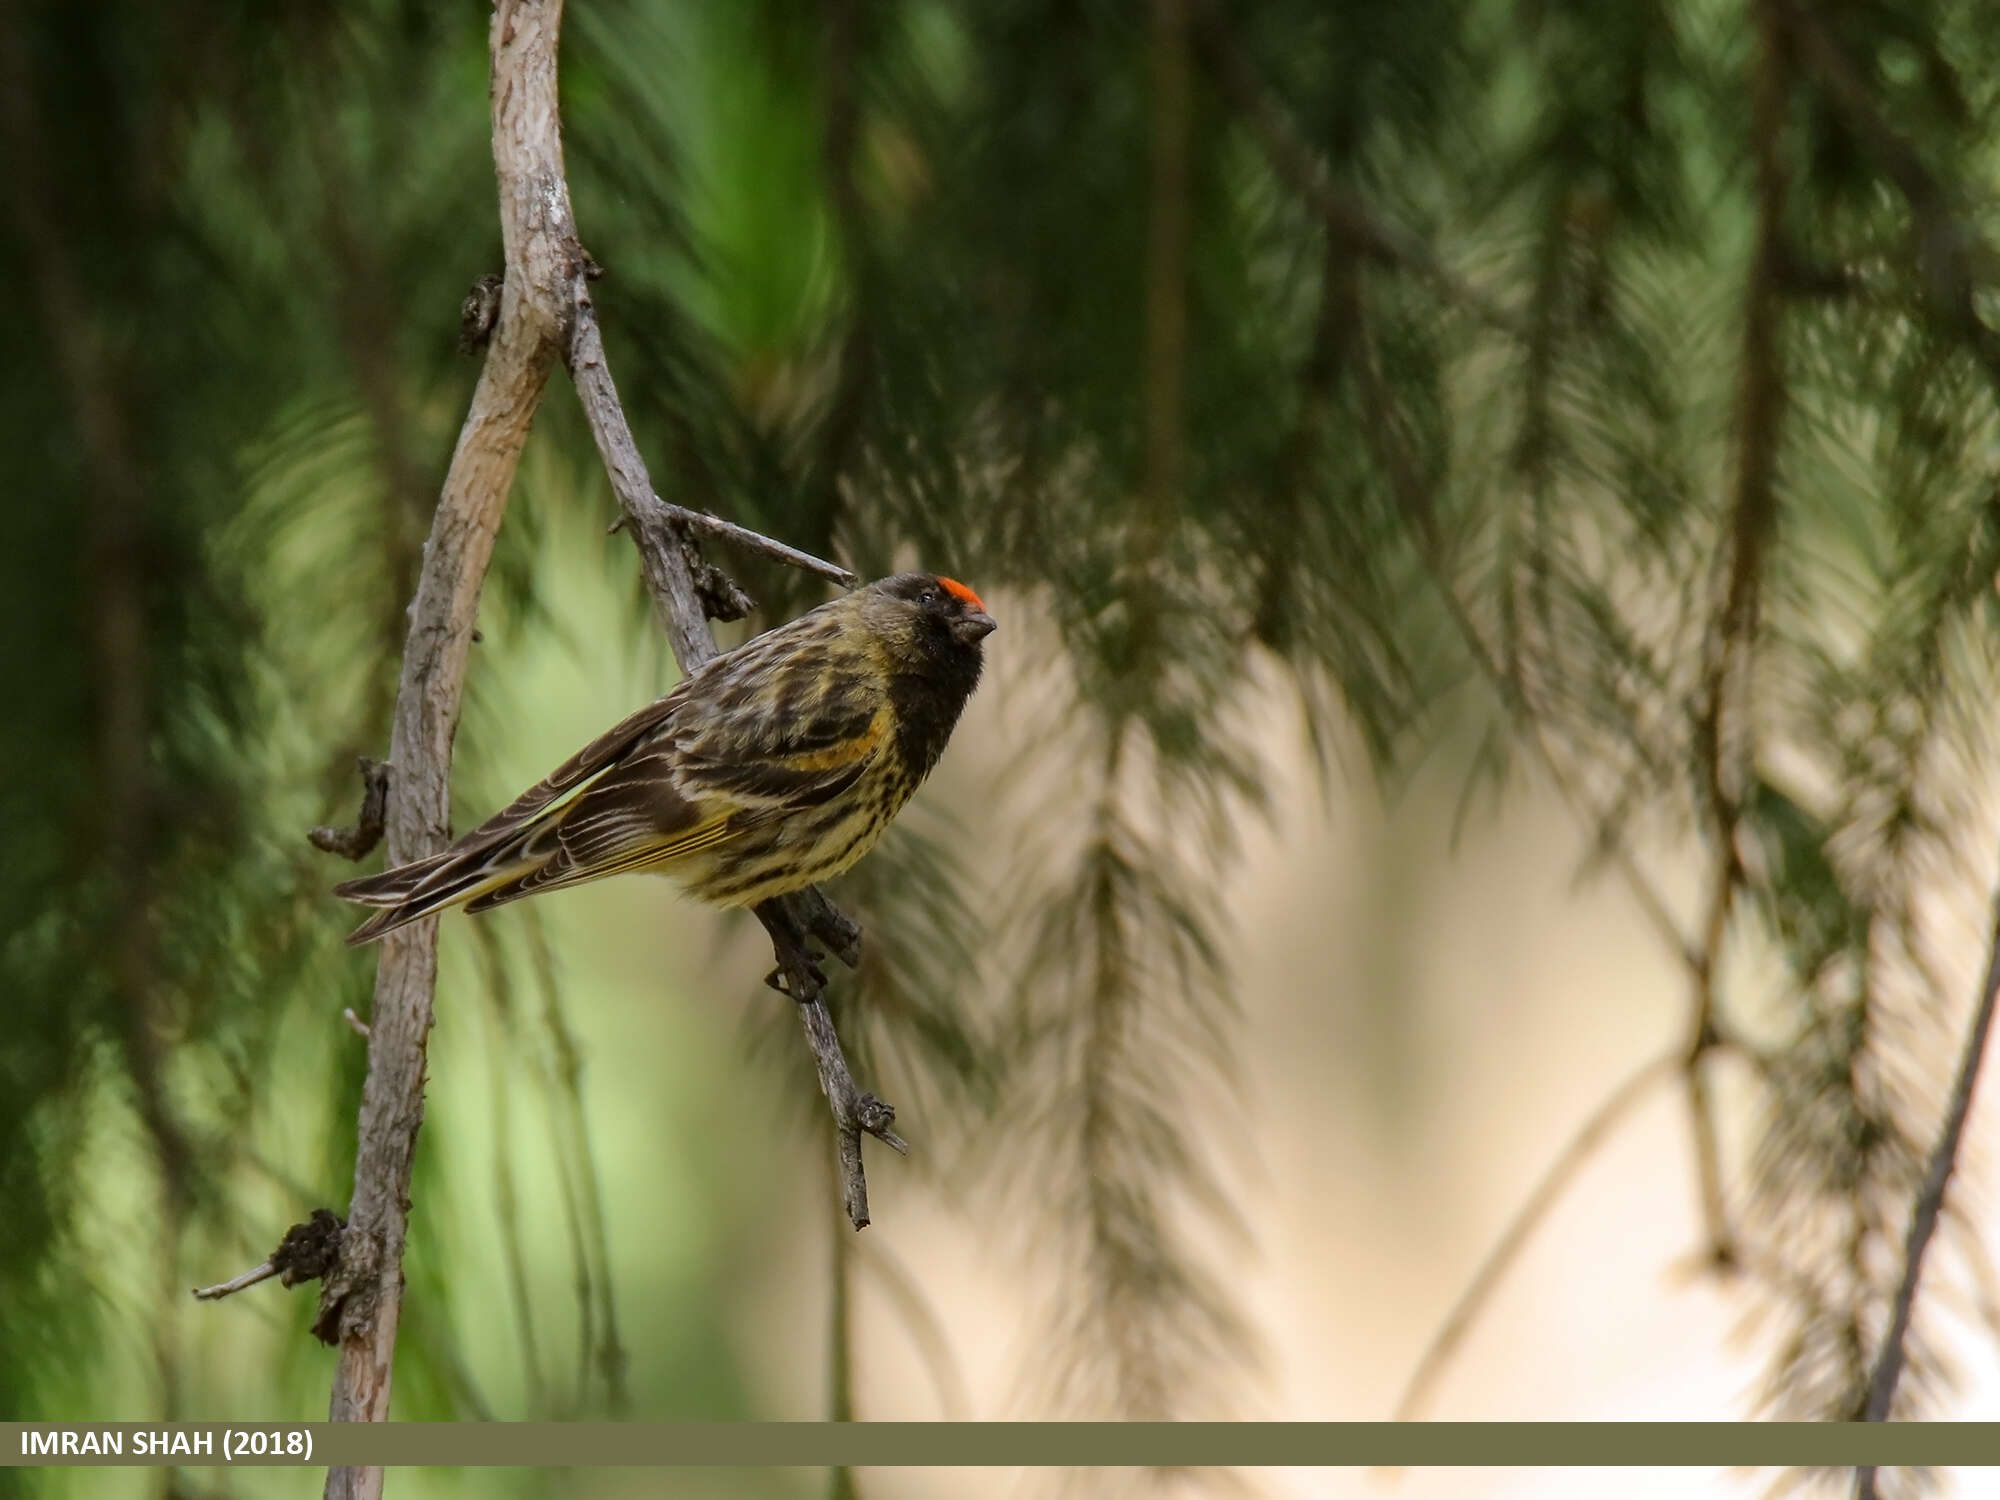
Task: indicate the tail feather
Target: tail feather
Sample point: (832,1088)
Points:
(393,887)
(536,843)
(414,891)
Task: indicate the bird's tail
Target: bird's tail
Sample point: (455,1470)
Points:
(423,887)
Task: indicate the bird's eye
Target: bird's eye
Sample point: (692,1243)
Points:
(928,596)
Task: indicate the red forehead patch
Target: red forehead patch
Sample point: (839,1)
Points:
(961,593)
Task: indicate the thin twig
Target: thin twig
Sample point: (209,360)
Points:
(235,1283)
(1719,1245)
(1473,1299)
(307,1252)
(703,524)
(1925,1213)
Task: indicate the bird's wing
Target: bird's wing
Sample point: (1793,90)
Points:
(787,729)
(760,735)
(785,722)
(407,882)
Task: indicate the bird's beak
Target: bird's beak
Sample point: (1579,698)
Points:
(974,627)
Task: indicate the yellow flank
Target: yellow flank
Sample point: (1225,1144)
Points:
(779,858)
(833,757)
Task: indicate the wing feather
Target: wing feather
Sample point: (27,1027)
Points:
(784,724)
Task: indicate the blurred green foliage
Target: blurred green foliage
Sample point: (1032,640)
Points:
(1399,354)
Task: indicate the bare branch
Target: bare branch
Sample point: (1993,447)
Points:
(702,523)
(663,547)
(236,1284)
(1472,1301)
(361,1300)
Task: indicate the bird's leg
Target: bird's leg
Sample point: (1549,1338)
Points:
(828,923)
(798,973)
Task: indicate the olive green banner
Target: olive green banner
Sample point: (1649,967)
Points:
(998,1444)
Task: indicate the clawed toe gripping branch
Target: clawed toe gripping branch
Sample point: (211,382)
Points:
(526,322)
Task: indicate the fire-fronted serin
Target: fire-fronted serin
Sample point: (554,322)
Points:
(774,766)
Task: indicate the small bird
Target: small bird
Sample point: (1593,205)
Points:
(774,766)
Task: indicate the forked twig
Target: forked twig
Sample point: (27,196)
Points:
(701,523)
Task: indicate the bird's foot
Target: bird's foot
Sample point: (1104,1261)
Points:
(807,976)
(798,973)
(832,926)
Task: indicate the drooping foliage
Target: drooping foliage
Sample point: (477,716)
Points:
(1605,388)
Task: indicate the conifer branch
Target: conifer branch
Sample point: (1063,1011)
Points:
(1381,433)
(1760,414)
(1719,1243)
(1929,1206)
(1349,220)
(1412,494)
(840,428)
(1952,258)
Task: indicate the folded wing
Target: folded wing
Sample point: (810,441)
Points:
(772,729)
